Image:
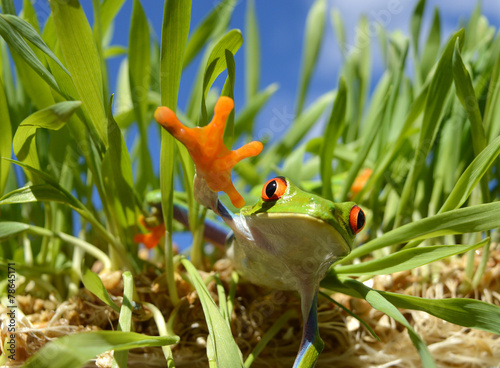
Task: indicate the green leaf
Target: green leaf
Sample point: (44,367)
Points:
(82,59)
(28,32)
(9,229)
(406,259)
(73,351)
(252,52)
(472,175)
(53,117)
(216,64)
(315,29)
(93,283)
(436,96)
(227,353)
(379,302)
(175,30)
(460,311)
(19,45)
(333,131)
(338,27)
(109,10)
(37,193)
(463,220)
(416,21)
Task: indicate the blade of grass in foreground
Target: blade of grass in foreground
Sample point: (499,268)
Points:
(227,353)
(380,303)
(120,358)
(175,30)
(463,220)
(73,351)
(406,259)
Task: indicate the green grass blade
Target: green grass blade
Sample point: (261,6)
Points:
(463,220)
(28,32)
(369,138)
(436,96)
(19,45)
(203,32)
(467,97)
(227,353)
(252,52)
(333,131)
(82,60)
(8,7)
(73,351)
(109,10)
(5,137)
(244,120)
(431,49)
(125,320)
(460,311)
(216,64)
(314,32)
(339,29)
(9,229)
(379,302)
(117,173)
(472,175)
(492,109)
(53,117)
(93,283)
(406,259)
(175,30)
(228,90)
(415,25)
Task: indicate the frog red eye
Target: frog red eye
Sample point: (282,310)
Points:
(274,189)
(357,219)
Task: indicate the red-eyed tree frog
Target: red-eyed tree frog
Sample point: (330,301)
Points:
(288,239)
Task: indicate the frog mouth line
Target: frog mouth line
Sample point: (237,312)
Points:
(344,242)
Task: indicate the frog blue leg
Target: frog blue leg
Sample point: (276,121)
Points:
(311,345)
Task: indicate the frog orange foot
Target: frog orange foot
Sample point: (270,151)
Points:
(213,160)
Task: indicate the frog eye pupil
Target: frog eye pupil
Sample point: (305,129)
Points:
(361,220)
(271,188)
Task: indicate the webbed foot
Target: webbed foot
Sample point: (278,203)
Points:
(213,160)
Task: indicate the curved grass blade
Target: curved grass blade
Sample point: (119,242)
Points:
(460,311)
(9,229)
(314,32)
(82,60)
(93,283)
(472,175)
(406,259)
(431,48)
(29,32)
(216,64)
(380,303)
(53,117)
(464,220)
(73,351)
(227,353)
(18,44)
